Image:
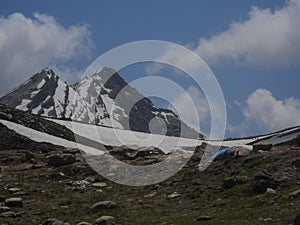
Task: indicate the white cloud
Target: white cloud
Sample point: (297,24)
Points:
(29,44)
(270,113)
(266,38)
(181,59)
(192,107)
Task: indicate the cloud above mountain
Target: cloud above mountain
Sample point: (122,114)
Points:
(28,44)
(266,38)
(270,113)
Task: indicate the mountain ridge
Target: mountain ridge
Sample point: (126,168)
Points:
(95,99)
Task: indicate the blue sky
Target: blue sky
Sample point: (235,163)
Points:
(251,46)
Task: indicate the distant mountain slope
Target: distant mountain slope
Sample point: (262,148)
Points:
(91,101)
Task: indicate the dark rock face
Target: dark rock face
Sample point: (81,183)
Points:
(230,182)
(9,139)
(263,181)
(90,101)
(35,122)
(60,160)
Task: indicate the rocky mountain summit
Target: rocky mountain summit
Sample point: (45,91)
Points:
(103,98)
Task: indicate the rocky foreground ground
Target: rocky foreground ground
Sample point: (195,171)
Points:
(56,186)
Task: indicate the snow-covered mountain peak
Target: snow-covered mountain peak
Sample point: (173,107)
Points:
(96,99)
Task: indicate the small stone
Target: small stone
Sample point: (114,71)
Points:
(14,202)
(13,190)
(99,185)
(266,219)
(4,209)
(84,223)
(103,205)
(295,194)
(8,214)
(270,192)
(151,195)
(174,195)
(204,218)
(105,220)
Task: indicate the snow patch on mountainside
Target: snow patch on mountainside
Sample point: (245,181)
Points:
(43,137)
(118,137)
(24,104)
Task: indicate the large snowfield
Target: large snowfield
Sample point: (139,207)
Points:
(118,137)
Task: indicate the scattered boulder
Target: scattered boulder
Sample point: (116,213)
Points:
(230,182)
(14,202)
(204,218)
(103,205)
(13,190)
(134,152)
(151,195)
(270,192)
(60,160)
(99,185)
(105,220)
(84,223)
(239,151)
(4,209)
(174,195)
(146,151)
(8,214)
(263,181)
